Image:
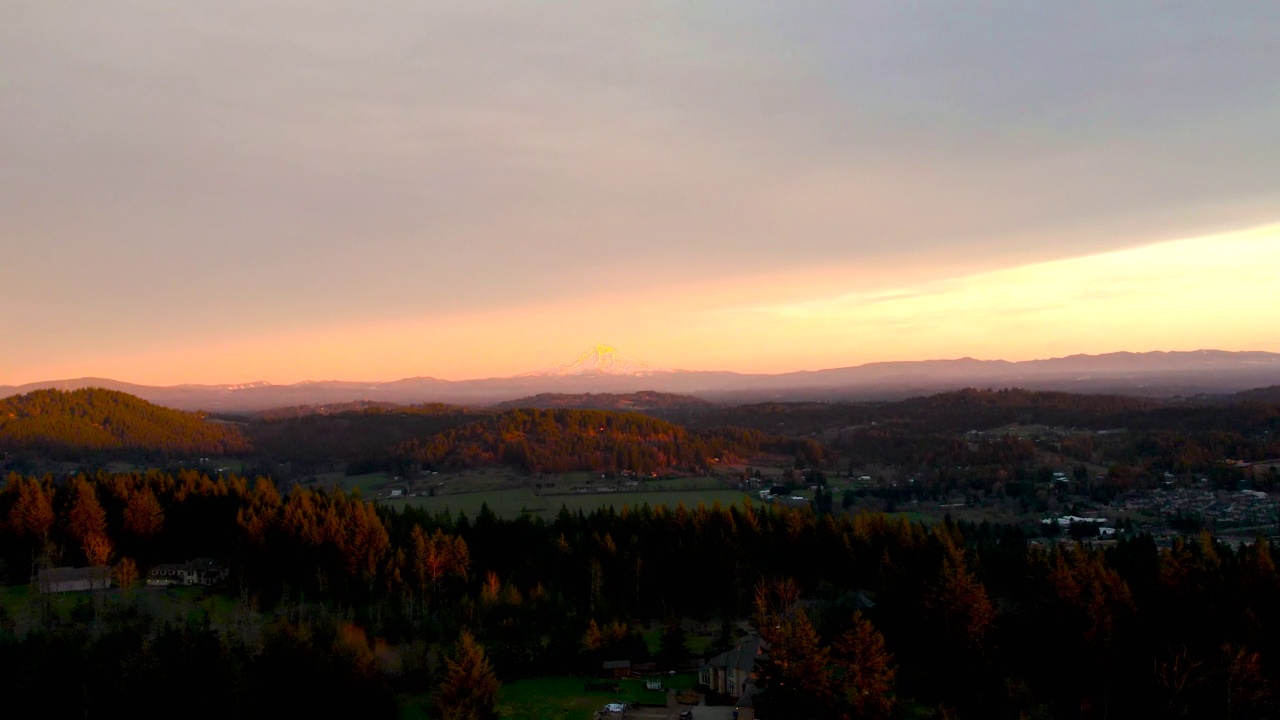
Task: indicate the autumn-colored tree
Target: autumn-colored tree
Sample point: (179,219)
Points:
(491,589)
(261,511)
(352,643)
(300,517)
(469,690)
(774,599)
(593,639)
(601,637)
(143,516)
(125,573)
(97,549)
(362,540)
(393,572)
(1177,674)
(1243,681)
(433,557)
(863,672)
(511,595)
(31,515)
(958,601)
(794,674)
(85,517)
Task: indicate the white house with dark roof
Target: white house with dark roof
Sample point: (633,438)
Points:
(202,571)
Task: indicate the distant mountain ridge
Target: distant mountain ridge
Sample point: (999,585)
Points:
(636,402)
(1155,374)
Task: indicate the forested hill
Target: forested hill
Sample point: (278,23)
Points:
(1265,394)
(644,401)
(298,411)
(358,435)
(960,411)
(79,423)
(982,409)
(950,412)
(600,440)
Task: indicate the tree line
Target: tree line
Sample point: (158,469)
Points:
(970,620)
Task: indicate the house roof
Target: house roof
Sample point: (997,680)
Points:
(61,574)
(742,657)
(193,566)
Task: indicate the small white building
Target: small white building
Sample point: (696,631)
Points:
(73,579)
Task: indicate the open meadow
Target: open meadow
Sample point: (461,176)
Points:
(562,697)
(520,501)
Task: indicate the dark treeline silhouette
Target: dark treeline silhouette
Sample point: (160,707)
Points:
(972,409)
(932,439)
(968,619)
(355,406)
(117,658)
(351,436)
(950,412)
(646,401)
(1270,394)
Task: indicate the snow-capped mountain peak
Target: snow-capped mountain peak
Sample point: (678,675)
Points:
(250,386)
(599,360)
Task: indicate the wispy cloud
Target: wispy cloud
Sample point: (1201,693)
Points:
(261,169)
(1211,291)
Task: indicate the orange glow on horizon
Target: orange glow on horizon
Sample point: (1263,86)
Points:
(1214,292)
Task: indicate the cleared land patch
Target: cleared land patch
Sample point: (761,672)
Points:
(514,502)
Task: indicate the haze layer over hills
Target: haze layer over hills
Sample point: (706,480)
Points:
(603,370)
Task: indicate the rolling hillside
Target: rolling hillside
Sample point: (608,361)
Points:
(81,422)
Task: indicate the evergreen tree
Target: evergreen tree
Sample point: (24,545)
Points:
(143,516)
(672,647)
(863,672)
(469,690)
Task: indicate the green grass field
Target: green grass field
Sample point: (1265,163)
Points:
(364,483)
(690,483)
(565,698)
(177,605)
(699,646)
(511,503)
(15,597)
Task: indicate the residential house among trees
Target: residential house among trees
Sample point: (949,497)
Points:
(203,572)
(732,673)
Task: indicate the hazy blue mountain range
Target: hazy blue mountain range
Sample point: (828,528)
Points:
(1155,374)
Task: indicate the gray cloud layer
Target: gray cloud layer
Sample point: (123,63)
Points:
(170,166)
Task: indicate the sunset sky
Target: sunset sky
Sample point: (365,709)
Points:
(246,190)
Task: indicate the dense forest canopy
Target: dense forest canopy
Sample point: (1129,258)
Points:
(80,423)
(601,440)
(957,411)
(969,620)
(968,441)
(351,436)
(1270,394)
